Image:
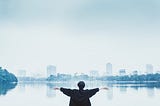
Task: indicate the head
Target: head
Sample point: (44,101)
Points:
(81,85)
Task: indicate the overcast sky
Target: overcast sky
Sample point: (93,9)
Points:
(79,35)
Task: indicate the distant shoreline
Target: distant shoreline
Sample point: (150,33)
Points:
(93,81)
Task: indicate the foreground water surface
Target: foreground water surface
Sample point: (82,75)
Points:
(42,94)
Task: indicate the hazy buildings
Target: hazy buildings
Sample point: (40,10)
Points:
(149,68)
(94,73)
(109,69)
(122,72)
(22,73)
(51,70)
(157,72)
(135,72)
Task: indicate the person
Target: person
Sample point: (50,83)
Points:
(80,97)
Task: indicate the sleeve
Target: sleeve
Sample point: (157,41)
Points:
(66,91)
(93,92)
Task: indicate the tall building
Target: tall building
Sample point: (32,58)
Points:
(149,68)
(51,70)
(109,69)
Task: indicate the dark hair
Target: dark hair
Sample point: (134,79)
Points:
(81,85)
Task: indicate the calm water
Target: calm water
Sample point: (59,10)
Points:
(42,94)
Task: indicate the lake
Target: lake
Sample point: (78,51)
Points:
(42,94)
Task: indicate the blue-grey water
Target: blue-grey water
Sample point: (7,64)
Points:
(42,94)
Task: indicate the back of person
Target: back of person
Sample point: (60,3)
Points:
(79,97)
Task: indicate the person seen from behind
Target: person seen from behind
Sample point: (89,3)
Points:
(80,97)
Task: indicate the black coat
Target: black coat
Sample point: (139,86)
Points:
(79,97)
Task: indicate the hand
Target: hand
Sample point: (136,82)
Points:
(56,88)
(105,88)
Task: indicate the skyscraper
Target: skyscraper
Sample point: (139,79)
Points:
(51,70)
(109,69)
(149,68)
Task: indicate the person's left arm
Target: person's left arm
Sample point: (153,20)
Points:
(93,92)
(66,91)
(104,88)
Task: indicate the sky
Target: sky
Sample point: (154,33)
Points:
(79,35)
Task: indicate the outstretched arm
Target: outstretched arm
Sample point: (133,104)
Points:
(92,92)
(104,88)
(56,88)
(66,91)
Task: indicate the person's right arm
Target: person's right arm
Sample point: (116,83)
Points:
(104,88)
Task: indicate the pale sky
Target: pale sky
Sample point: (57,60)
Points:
(79,35)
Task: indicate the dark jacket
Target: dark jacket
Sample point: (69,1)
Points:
(79,97)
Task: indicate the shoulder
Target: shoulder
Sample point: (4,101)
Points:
(75,90)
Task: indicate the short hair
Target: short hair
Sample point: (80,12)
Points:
(81,84)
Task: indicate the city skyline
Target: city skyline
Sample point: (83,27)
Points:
(78,36)
(52,70)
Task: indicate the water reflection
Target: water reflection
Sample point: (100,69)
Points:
(21,87)
(150,92)
(5,87)
(135,87)
(50,91)
(110,93)
(28,92)
(123,88)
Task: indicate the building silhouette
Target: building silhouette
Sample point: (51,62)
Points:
(51,70)
(109,69)
(149,68)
